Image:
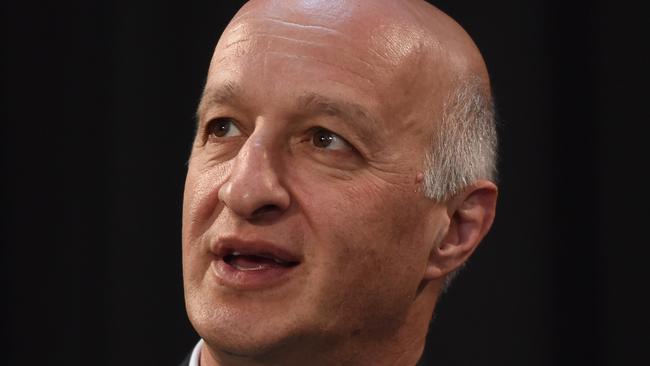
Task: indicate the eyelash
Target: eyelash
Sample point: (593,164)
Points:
(212,124)
(334,138)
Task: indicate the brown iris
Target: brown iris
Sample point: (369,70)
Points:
(220,127)
(323,138)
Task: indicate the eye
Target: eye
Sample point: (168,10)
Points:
(325,139)
(222,127)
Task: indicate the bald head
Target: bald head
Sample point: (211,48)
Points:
(392,29)
(394,25)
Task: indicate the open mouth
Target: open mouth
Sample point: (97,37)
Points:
(256,262)
(253,264)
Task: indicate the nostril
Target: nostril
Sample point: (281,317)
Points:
(266,209)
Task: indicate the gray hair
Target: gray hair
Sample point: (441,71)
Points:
(464,146)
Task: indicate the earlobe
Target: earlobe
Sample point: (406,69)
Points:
(471,214)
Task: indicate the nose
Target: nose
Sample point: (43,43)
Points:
(254,189)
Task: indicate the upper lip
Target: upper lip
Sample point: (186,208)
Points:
(225,246)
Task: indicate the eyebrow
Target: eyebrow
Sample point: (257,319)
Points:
(222,94)
(345,110)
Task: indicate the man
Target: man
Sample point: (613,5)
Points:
(342,171)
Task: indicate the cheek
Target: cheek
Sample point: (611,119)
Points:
(368,241)
(200,208)
(201,198)
(383,235)
(388,214)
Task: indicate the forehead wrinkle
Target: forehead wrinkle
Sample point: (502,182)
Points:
(332,38)
(334,48)
(299,26)
(322,61)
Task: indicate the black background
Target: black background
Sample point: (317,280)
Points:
(97,119)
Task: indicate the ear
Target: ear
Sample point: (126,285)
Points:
(471,213)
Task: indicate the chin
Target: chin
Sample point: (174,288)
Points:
(266,343)
(245,328)
(233,343)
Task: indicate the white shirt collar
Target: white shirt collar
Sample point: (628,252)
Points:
(196,353)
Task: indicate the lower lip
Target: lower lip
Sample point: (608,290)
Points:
(230,276)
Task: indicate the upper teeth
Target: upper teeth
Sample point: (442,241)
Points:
(276,260)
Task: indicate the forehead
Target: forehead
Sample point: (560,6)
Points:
(369,42)
(364,25)
(329,51)
(274,47)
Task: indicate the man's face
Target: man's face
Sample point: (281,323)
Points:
(303,218)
